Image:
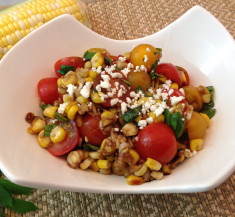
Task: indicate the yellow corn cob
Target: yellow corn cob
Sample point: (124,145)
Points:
(19,20)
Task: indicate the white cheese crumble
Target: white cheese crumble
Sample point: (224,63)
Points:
(62,107)
(114,101)
(142,124)
(122,59)
(86,89)
(147,49)
(71,89)
(145,58)
(123,107)
(176,99)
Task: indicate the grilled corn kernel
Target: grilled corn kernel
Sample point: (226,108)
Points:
(153,164)
(174,86)
(76,157)
(121,65)
(58,134)
(72,112)
(110,158)
(94,166)
(89,79)
(37,125)
(153,116)
(127,55)
(81,99)
(69,78)
(87,65)
(86,163)
(105,171)
(97,60)
(157,175)
(108,118)
(142,100)
(104,164)
(166,169)
(141,171)
(134,155)
(92,74)
(134,180)
(50,111)
(79,120)
(160,118)
(44,141)
(207,119)
(59,83)
(158,101)
(196,144)
(206,98)
(67,98)
(95,97)
(96,155)
(130,129)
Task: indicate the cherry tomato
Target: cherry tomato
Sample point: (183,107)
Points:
(90,129)
(157,141)
(170,71)
(48,90)
(193,97)
(112,81)
(144,54)
(140,78)
(186,75)
(177,93)
(70,61)
(69,143)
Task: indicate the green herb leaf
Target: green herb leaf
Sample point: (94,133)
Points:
(126,82)
(43,106)
(159,50)
(210,112)
(14,188)
(167,117)
(88,55)
(139,88)
(118,69)
(60,117)
(0,213)
(64,69)
(89,147)
(22,206)
(154,75)
(108,61)
(177,123)
(5,197)
(131,115)
(48,129)
(154,66)
(208,108)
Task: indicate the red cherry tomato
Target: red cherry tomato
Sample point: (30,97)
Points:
(186,75)
(69,143)
(90,129)
(170,71)
(48,90)
(157,141)
(112,81)
(177,93)
(70,61)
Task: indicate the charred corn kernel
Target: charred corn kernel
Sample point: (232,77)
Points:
(160,118)
(79,120)
(31,14)
(130,129)
(86,163)
(69,105)
(44,141)
(101,50)
(134,155)
(81,99)
(59,83)
(158,101)
(94,166)
(69,78)
(37,125)
(174,86)
(107,147)
(141,171)
(88,79)
(127,55)
(62,90)
(95,97)
(87,65)
(143,100)
(92,74)
(57,134)
(153,164)
(72,112)
(97,60)
(166,169)
(157,175)
(206,98)
(67,98)
(108,118)
(96,155)
(162,79)
(105,171)
(121,65)
(138,118)
(183,77)
(104,164)
(74,158)
(50,111)
(134,180)
(153,116)
(110,158)
(196,144)
(207,119)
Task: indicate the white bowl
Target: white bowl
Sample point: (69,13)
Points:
(196,41)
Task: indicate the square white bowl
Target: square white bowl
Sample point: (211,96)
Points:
(196,41)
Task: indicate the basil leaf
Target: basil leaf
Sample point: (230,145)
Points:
(167,117)
(5,197)
(89,147)
(48,129)
(43,106)
(108,61)
(88,55)
(64,69)
(208,108)
(159,50)
(139,88)
(14,188)
(154,75)
(60,117)
(210,112)
(22,206)
(126,82)
(154,66)
(131,115)
(177,123)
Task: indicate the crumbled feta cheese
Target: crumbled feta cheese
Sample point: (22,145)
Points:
(128,100)
(123,107)
(98,88)
(116,129)
(120,92)
(62,107)
(105,83)
(116,75)
(71,89)
(133,94)
(116,84)
(182,91)
(85,91)
(114,101)
(145,58)
(122,59)
(147,49)
(149,120)
(137,69)
(99,69)
(176,99)
(143,68)
(170,91)
(142,124)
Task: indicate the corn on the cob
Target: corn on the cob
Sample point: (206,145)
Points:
(19,20)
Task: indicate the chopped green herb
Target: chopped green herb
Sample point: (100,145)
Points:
(139,88)
(159,50)
(60,117)
(167,117)
(154,66)
(48,129)
(208,108)
(108,61)
(154,75)
(126,82)
(89,147)
(88,55)
(43,106)
(210,112)
(64,69)
(118,69)
(131,115)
